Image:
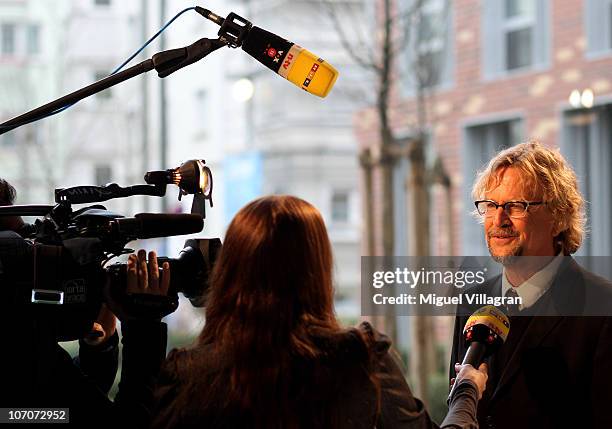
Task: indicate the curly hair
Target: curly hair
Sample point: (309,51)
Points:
(547,171)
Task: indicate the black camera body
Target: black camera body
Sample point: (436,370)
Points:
(53,272)
(46,283)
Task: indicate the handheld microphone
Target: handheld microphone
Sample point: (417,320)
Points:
(484,333)
(291,61)
(152,225)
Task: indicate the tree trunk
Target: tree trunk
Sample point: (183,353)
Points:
(422,350)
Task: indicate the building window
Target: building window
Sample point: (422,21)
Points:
(429,52)
(516,8)
(519,21)
(8,140)
(33,39)
(8,39)
(432,40)
(515,35)
(587,145)
(482,142)
(518,48)
(107,93)
(340,207)
(598,26)
(103,174)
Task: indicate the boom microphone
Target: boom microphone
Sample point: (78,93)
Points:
(152,225)
(291,61)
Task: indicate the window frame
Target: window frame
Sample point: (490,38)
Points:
(15,39)
(594,17)
(444,44)
(518,23)
(595,158)
(347,219)
(29,39)
(493,39)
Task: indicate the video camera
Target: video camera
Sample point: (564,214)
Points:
(54,270)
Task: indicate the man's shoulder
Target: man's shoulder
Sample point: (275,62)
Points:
(593,280)
(586,290)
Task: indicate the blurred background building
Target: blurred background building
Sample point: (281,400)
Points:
(32,39)
(464,78)
(499,72)
(511,70)
(283,141)
(258,133)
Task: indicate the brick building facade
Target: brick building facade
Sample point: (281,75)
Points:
(509,69)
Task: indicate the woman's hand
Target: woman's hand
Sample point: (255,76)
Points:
(143,278)
(477,376)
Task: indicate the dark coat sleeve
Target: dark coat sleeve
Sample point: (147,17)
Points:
(462,407)
(398,407)
(99,363)
(144,350)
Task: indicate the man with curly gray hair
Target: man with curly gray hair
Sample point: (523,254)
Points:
(555,368)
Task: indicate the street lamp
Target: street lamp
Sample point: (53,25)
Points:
(584,99)
(243,90)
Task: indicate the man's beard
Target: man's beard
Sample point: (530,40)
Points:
(509,258)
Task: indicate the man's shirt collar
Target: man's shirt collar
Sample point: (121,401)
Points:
(535,286)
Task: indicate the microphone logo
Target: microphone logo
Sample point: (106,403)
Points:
(271,52)
(288,61)
(311,74)
(274,53)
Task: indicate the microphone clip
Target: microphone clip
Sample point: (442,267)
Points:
(234,30)
(167,62)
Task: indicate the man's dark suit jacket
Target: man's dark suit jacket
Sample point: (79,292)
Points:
(553,371)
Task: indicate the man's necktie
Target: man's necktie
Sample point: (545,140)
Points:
(512,309)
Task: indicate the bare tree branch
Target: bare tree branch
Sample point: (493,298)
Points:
(360,31)
(346,44)
(406,21)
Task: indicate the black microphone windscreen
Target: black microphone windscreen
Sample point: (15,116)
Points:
(267,48)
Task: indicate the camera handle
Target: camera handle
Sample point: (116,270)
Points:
(96,194)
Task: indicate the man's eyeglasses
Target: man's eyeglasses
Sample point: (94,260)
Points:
(514,209)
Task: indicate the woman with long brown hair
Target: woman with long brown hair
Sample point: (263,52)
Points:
(272,353)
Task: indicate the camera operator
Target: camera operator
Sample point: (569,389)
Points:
(98,352)
(38,372)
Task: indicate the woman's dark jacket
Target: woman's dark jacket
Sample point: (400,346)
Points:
(340,382)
